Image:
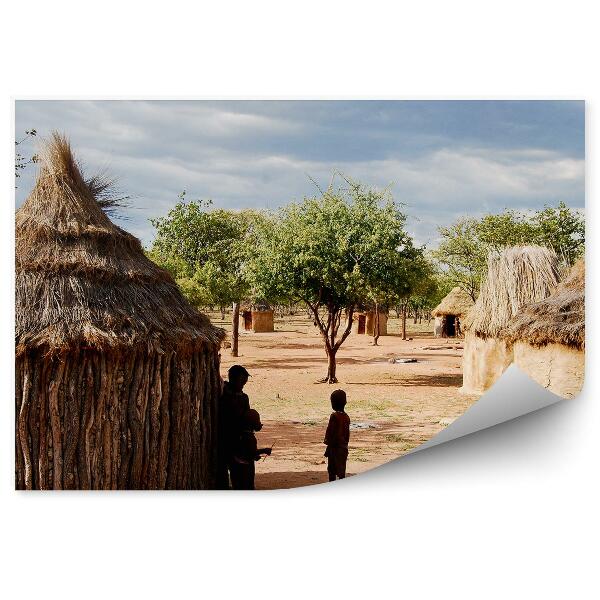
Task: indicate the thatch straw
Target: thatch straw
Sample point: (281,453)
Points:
(457,302)
(558,319)
(81,280)
(516,276)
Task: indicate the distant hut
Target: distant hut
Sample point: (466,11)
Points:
(359,323)
(516,276)
(549,336)
(451,309)
(363,322)
(117,375)
(370,322)
(259,319)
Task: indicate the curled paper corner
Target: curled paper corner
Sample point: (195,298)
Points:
(513,395)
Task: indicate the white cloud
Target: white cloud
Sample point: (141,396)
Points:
(244,157)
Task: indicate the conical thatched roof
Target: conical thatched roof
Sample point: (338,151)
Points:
(457,302)
(558,319)
(516,276)
(83,281)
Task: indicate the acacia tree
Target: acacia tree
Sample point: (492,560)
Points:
(398,275)
(416,285)
(207,252)
(326,252)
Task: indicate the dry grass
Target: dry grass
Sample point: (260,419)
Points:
(457,302)
(83,281)
(516,276)
(559,318)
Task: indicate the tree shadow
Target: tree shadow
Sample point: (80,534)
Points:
(301,363)
(286,346)
(418,381)
(284,363)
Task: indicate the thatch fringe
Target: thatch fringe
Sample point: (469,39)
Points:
(516,276)
(80,279)
(558,319)
(457,302)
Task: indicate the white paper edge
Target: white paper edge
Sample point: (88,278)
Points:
(513,395)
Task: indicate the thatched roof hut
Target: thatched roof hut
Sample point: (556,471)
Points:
(117,375)
(457,302)
(548,337)
(516,276)
(455,305)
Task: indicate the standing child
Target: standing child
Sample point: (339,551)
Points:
(246,452)
(337,437)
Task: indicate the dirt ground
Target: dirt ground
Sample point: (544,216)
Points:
(393,407)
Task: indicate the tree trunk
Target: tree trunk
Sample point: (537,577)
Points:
(376,325)
(404,311)
(222,309)
(331,366)
(235,328)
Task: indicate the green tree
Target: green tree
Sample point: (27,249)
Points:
(426,292)
(461,254)
(398,282)
(207,251)
(563,229)
(333,253)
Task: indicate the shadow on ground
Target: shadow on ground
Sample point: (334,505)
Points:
(290,479)
(445,381)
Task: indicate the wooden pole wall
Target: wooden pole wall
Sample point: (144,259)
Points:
(90,420)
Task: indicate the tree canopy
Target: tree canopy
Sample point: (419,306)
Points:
(206,250)
(343,249)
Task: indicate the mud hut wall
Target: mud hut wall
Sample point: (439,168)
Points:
(438,326)
(484,361)
(139,420)
(370,323)
(557,367)
(262,321)
(358,323)
(246,320)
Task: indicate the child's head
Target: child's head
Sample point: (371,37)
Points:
(338,399)
(238,377)
(251,420)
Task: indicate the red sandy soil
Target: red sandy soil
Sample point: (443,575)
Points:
(396,406)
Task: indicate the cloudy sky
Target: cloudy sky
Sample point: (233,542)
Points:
(442,159)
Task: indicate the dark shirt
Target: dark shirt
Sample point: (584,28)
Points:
(338,430)
(232,407)
(246,448)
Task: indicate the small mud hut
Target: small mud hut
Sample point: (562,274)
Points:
(258,320)
(449,314)
(359,323)
(548,337)
(363,322)
(516,277)
(117,375)
(370,322)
